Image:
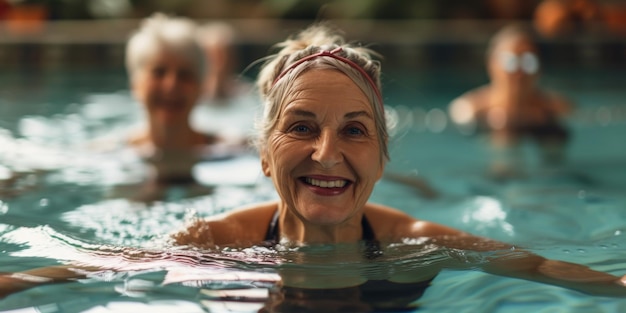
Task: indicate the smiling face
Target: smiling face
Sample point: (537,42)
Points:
(324,155)
(168,87)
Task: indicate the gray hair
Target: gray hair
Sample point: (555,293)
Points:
(158,32)
(312,40)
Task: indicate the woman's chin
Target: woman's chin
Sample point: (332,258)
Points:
(323,218)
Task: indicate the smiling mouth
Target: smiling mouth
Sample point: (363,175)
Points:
(170,105)
(335,183)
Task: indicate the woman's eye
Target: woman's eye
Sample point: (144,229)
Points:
(158,72)
(300,129)
(355,131)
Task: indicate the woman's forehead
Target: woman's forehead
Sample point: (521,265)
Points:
(170,56)
(326,86)
(518,43)
(324,76)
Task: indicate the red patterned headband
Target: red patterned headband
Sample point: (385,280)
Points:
(332,54)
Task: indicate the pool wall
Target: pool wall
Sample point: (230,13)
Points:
(410,43)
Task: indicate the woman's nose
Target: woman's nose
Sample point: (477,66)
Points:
(170,81)
(327,151)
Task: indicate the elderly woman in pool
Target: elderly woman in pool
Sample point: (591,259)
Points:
(512,107)
(165,64)
(324,145)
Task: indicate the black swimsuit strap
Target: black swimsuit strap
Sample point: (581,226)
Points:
(372,245)
(368,232)
(271,236)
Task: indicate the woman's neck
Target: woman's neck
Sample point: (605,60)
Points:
(172,137)
(294,229)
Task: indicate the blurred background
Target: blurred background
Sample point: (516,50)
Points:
(410,34)
(56,53)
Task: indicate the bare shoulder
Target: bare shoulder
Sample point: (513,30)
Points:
(240,227)
(463,108)
(391,224)
(252,215)
(473,96)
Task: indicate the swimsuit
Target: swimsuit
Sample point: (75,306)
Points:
(372,246)
(379,294)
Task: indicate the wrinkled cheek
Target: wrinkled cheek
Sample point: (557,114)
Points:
(362,195)
(281,174)
(286,187)
(365,184)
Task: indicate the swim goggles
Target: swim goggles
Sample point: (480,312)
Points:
(527,62)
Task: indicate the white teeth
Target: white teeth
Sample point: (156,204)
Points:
(326,183)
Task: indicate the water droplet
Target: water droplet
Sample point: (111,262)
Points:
(582,194)
(44,202)
(581,251)
(617,232)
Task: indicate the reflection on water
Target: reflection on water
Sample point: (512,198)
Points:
(253,277)
(247,280)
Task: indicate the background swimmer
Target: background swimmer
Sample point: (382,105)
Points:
(512,107)
(165,64)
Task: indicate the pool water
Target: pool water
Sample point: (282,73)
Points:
(60,202)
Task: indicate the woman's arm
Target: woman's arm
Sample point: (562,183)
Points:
(507,260)
(559,273)
(500,258)
(15,282)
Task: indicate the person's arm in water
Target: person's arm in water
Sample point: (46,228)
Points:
(504,259)
(501,258)
(15,282)
(510,261)
(243,227)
